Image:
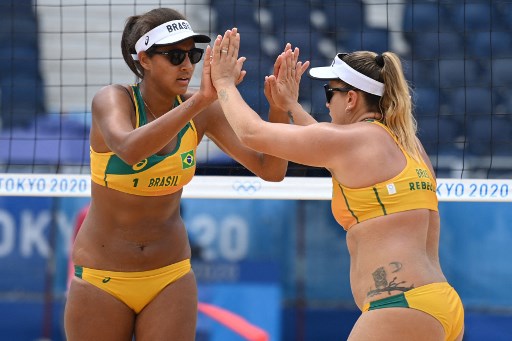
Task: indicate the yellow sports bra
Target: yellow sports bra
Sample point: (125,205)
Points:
(413,188)
(158,174)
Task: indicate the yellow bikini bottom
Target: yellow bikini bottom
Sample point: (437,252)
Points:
(135,289)
(439,300)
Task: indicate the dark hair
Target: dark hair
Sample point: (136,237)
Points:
(138,25)
(395,103)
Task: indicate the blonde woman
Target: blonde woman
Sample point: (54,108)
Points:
(384,186)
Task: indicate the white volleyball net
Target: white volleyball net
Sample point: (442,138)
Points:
(56,54)
(457,57)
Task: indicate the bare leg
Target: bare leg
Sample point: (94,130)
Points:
(397,324)
(93,314)
(172,315)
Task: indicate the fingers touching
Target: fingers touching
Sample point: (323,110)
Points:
(225,63)
(227,46)
(288,62)
(207,58)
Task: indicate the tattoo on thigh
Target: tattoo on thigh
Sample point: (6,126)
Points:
(380,278)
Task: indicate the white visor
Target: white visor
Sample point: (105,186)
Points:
(171,32)
(340,69)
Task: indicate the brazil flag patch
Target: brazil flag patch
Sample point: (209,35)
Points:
(187,159)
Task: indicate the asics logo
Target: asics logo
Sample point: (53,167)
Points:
(141,164)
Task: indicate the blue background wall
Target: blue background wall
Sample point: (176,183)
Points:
(283,265)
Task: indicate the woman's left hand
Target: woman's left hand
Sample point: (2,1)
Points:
(285,82)
(207,89)
(226,67)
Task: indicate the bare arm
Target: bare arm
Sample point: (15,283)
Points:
(218,129)
(315,144)
(282,88)
(113,128)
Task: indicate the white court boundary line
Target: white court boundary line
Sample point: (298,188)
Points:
(246,187)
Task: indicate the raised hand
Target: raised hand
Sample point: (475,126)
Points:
(282,89)
(206,88)
(226,67)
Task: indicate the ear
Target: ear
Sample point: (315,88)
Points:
(353,98)
(144,60)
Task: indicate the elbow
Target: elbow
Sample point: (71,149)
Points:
(128,156)
(126,150)
(273,169)
(274,173)
(249,134)
(274,177)
(120,146)
(132,161)
(128,159)
(252,138)
(248,139)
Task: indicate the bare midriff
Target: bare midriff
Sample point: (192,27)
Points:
(124,232)
(393,254)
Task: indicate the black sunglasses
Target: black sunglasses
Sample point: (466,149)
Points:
(176,57)
(329,92)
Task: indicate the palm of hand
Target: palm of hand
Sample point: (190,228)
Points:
(284,93)
(224,72)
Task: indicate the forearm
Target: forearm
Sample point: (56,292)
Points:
(136,145)
(175,120)
(297,115)
(273,168)
(242,119)
(249,127)
(277,115)
(294,115)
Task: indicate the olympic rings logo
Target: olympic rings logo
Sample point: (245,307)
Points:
(247,187)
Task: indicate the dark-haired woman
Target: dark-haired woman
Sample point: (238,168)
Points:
(132,256)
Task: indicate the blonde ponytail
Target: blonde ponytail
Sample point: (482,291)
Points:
(396,104)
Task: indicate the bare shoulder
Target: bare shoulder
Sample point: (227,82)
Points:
(370,155)
(113,104)
(425,156)
(378,137)
(113,94)
(112,89)
(332,136)
(356,135)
